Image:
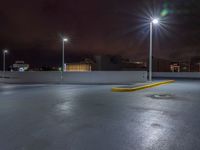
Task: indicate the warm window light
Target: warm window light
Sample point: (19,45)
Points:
(78,67)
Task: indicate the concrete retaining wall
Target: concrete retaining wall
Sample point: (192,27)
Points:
(102,77)
(189,75)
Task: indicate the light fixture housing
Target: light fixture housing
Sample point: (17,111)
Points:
(5,51)
(155,21)
(65,39)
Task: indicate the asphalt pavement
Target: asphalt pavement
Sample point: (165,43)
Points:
(92,117)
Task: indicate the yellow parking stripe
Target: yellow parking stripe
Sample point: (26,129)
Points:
(118,89)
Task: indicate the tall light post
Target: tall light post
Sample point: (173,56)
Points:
(5,51)
(153,22)
(63,55)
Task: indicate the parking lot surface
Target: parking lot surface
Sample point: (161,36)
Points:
(91,117)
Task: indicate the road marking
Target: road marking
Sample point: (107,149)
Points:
(118,89)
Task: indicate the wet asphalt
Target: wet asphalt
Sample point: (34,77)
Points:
(91,117)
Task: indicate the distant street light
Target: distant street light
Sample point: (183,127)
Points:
(153,21)
(63,55)
(5,51)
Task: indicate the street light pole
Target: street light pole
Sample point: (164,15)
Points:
(4,59)
(150,51)
(63,55)
(153,21)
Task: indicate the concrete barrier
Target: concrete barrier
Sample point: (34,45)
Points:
(95,77)
(189,75)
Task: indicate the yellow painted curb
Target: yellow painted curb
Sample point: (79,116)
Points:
(142,87)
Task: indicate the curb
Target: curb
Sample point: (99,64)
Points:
(142,87)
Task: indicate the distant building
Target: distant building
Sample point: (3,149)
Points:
(161,65)
(20,66)
(181,66)
(107,62)
(195,64)
(175,67)
(132,65)
(78,67)
(198,64)
(115,62)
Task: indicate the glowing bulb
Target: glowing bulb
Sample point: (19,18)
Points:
(65,39)
(155,21)
(5,51)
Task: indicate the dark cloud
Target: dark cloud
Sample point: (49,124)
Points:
(95,27)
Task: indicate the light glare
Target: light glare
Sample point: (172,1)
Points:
(5,51)
(65,39)
(155,21)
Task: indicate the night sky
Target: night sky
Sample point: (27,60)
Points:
(32,30)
